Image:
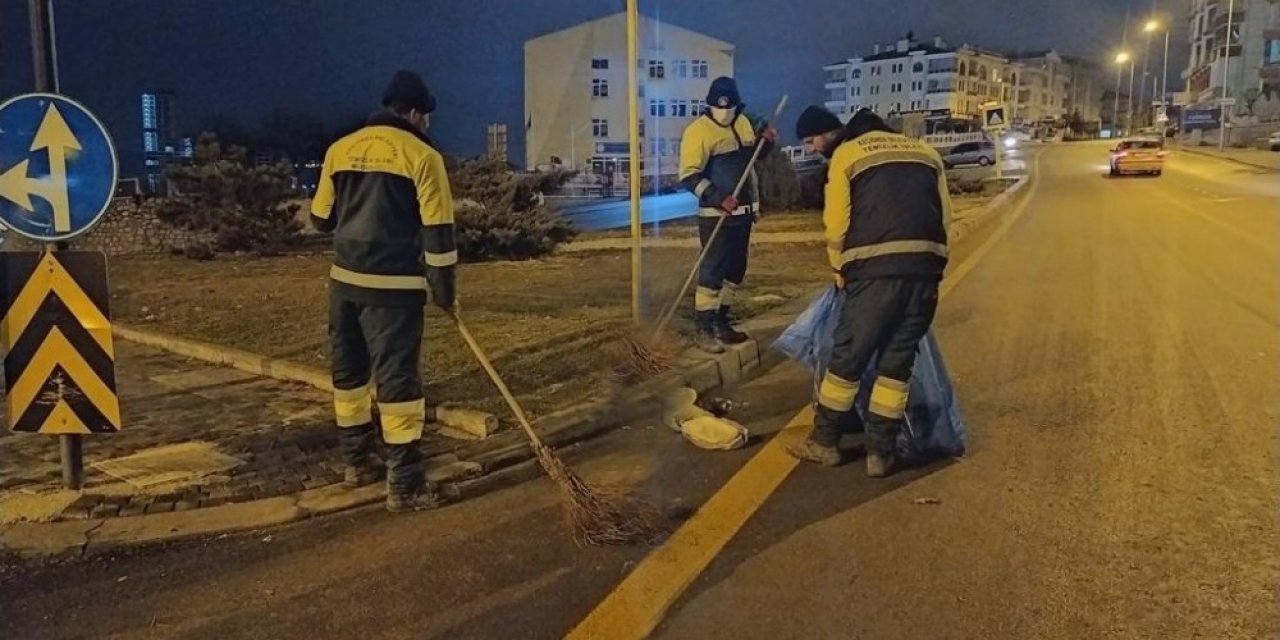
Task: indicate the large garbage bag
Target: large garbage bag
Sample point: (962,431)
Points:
(935,427)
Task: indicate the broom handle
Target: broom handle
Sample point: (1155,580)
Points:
(497,379)
(706,247)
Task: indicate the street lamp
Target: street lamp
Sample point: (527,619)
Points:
(1152,26)
(1121,58)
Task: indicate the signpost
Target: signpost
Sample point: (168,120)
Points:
(58,174)
(995,120)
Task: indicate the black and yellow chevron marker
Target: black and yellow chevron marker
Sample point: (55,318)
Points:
(59,363)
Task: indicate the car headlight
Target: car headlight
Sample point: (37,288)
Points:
(1010,142)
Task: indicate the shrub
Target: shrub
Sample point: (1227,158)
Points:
(501,216)
(242,208)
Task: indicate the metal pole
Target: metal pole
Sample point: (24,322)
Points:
(1128,118)
(633,136)
(1146,59)
(1226,68)
(1164,82)
(53,50)
(44,65)
(1115,109)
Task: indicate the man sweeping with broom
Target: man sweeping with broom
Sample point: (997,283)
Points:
(385,196)
(715,151)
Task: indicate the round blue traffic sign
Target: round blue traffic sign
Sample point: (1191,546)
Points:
(58,167)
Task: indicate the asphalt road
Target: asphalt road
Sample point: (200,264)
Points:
(1114,348)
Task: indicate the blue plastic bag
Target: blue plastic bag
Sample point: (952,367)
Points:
(934,424)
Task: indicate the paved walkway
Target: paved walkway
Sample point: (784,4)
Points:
(1252,157)
(194,435)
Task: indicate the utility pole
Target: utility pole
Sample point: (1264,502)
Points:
(1226,83)
(44,61)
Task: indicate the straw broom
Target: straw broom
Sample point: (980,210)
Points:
(598,515)
(648,356)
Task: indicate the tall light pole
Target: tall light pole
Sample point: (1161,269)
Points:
(1226,67)
(1152,26)
(1121,58)
(1115,110)
(1128,120)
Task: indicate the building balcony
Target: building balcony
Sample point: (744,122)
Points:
(836,84)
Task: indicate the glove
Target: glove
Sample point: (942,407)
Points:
(443,293)
(729,204)
(769,133)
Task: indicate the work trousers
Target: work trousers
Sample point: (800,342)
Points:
(725,266)
(882,318)
(379,345)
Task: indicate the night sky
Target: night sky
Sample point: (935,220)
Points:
(242,58)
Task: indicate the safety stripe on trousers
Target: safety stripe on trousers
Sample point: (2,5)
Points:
(889,398)
(402,422)
(728,293)
(836,393)
(706,299)
(353,407)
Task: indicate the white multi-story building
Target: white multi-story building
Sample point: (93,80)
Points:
(943,82)
(575,93)
(1251,52)
(907,76)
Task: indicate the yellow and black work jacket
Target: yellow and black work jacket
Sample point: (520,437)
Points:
(887,206)
(385,196)
(712,159)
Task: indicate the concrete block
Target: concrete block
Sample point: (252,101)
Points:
(703,377)
(748,353)
(730,368)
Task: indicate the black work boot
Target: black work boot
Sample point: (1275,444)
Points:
(879,465)
(882,438)
(819,454)
(363,468)
(407,487)
(704,337)
(724,330)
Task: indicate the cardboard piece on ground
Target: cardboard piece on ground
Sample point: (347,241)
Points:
(178,463)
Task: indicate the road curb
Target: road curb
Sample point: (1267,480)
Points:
(1238,161)
(226,356)
(487,465)
(964,227)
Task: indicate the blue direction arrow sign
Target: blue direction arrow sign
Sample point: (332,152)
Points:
(58,167)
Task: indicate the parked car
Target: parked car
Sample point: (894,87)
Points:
(1273,143)
(1138,155)
(979,153)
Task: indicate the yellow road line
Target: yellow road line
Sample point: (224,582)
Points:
(640,602)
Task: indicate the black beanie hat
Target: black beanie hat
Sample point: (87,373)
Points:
(816,121)
(723,93)
(408,89)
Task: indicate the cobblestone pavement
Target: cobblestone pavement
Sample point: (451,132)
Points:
(279,435)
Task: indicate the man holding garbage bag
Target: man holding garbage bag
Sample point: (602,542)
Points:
(885,216)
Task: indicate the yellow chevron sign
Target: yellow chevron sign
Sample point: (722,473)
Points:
(59,363)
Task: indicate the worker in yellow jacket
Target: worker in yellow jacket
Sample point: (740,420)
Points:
(886,214)
(385,196)
(714,153)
